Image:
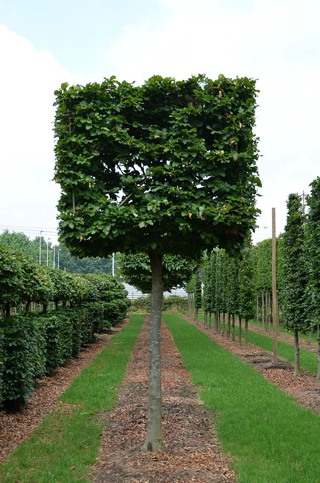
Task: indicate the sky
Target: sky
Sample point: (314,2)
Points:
(43,44)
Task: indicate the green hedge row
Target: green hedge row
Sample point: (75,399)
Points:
(33,346)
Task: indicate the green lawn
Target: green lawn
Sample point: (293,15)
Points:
(65,445)
(271,438)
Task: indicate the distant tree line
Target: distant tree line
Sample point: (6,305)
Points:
(55,256)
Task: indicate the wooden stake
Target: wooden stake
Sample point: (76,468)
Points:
(274,289)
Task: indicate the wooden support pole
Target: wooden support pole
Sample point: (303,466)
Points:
(274,288)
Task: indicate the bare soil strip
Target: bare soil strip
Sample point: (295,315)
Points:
(302,388)
(192,451)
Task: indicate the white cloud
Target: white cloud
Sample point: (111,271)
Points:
(28,197)
(277,42)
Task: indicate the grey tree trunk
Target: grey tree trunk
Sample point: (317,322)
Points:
(153,440)
(229,325)
(233,328)
(240,330)
(223,323)
(246,331)
(296,353)
(263,311)
(318,338)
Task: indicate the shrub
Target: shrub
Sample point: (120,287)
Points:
(175,303)
(23,359)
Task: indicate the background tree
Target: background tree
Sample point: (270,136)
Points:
(136,270)
(246,293)
(263,279)
(72,264)
(207,289)
(197,294)
(168,167)
(295,274)
(313,243)
(232,291)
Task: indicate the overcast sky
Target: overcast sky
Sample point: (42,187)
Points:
(45,43)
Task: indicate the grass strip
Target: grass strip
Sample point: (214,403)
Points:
(66,443)
(270,437)
(308,360)
(310,336)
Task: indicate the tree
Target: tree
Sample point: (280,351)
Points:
(197,294)
(31,248)
(136,270)
(207,289)
(313,243)
(232,291)
(168,167)
(295,274)
(246,293)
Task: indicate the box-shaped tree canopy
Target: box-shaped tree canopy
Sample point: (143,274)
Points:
(168,165)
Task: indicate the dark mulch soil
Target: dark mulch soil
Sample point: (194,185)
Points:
(192,451)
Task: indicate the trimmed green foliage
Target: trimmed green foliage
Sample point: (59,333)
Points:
(295,267)
(23,356)
(66,443)
(168,164)
(270,437)
(32,346)
(59,343)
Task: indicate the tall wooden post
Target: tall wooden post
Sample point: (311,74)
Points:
(274,288)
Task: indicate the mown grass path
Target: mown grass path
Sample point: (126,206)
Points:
(269,435)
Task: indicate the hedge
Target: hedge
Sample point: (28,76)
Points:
(32,346)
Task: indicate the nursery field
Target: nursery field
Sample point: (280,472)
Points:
(222,420)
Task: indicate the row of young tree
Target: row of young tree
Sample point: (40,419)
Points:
(242,287)
(46,253)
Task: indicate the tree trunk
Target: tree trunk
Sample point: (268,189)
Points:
(240,330)
(296,353)
(189,304)
(223,323)
(216,322)
(233,328)
(7,310)
(153,440)
(257,309)
(266,306)
(229,325)
(196,310)
(269,311)
(318,338)
(262,311)
(205,321)
(246,331)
